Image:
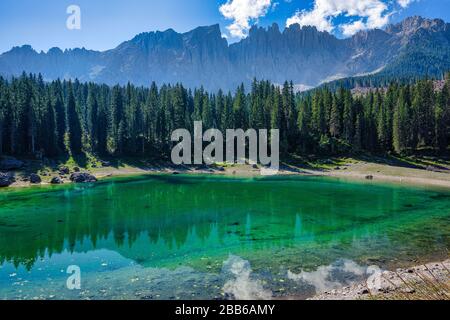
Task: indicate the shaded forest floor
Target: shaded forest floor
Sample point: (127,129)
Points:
(429,171)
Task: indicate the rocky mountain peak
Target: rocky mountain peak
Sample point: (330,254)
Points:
(202,56)
(25,49)
(413,24)
(55,51)
(206,35)
(212,31)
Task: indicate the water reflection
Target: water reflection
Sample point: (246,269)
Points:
(106,275)
(161,220)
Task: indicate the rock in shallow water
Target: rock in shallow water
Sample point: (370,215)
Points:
(82,177)
(56,180)
(35,179)
(6,179)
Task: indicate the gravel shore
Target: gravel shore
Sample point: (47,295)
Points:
(424,282)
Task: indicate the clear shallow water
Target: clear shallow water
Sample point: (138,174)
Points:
(192,237)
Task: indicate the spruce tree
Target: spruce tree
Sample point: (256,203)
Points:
(335,125)
(239,109)
(401,124)
(74,124)
(93,129)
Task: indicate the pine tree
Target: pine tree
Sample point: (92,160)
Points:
(74,124)
(303,122)
(60,114)
(3,111)
(180,106)
(150,114)
(93,129)
(219,106)
(358,137)
(239,109)
(207,113)
(335,125)
(423,107)
(318,114)
(348,117)
(118,119)
(102,130)
(401,123)
(276,115)
(381,122)
(25,117)
(290,115)
(440,123)
(256,115)
(49,130)
(227,113)
(198,104)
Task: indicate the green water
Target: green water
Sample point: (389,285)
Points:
(192,237)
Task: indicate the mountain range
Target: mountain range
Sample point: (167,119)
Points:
(202,57)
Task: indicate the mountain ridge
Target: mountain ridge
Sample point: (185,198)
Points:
(202,57)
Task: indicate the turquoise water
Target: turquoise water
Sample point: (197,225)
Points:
(192,237)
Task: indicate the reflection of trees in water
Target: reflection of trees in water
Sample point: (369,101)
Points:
(168,211)
(175,213)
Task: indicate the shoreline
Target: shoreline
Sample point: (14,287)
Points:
(352,171)
(429,281)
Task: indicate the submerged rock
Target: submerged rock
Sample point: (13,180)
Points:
(6,179)
(35,179)
(11,164)
(82,177)
(56,180)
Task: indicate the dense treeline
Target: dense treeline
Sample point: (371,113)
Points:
(374,80)
(400,118)
(67,118)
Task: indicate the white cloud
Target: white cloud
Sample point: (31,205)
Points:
(404,3)
(366,14)
(350,29)
(336,275)
(243,286)
(311,18)
(242,12)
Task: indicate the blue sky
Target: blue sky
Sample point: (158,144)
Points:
(106,23)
